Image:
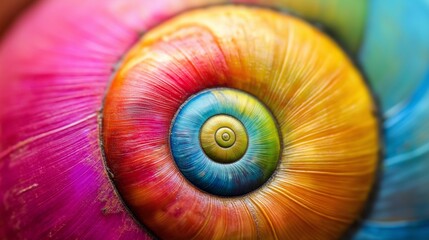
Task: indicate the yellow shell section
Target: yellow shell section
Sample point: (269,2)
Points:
(325,113)
(223,138)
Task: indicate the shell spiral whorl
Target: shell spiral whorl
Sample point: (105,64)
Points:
(252,155)
(211,103)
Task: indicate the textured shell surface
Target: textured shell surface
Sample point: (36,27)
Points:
(215,119)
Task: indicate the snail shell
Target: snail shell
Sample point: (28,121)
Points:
(97,123)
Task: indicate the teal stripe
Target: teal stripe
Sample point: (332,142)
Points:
(395,49)
(395,56)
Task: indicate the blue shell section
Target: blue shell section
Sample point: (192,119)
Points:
(233,179)
(395,56)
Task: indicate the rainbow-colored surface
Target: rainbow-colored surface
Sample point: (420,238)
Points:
(56,65)
(323,109)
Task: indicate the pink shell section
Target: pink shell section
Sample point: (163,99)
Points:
(55,66)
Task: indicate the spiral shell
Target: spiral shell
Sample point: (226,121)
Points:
(175,119)
(329,137)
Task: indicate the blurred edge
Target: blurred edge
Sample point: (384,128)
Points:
(9,10)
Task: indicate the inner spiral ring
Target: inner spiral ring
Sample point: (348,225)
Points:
(225,142)
(223,139)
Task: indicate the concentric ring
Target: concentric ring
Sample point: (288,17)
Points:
(223,138)
(252,158)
